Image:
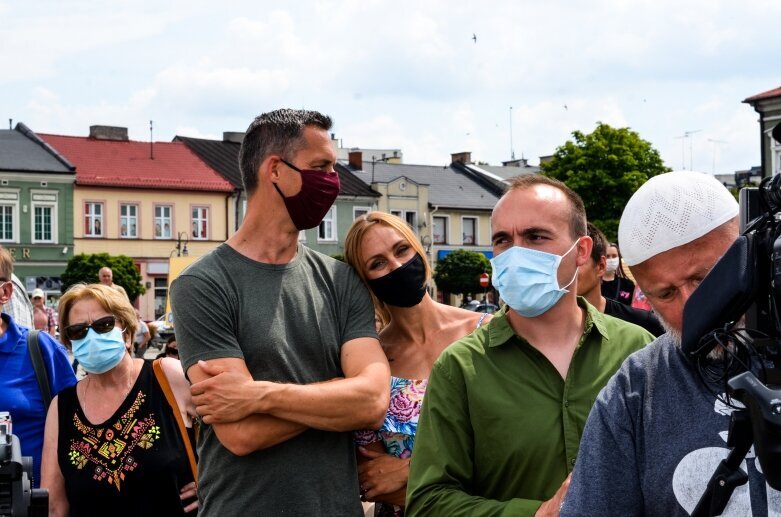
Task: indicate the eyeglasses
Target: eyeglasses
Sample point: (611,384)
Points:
(101,326)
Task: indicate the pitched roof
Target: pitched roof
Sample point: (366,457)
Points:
(127,163)
(220,155)
(21,150)
(449,186)
(224,158)
(770,94)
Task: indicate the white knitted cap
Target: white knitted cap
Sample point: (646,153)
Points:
(671,210)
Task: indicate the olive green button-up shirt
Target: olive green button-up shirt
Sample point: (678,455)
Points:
(499,429)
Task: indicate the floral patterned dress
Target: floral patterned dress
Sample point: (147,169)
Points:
(398,430)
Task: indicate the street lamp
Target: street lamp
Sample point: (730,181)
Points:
(181,244)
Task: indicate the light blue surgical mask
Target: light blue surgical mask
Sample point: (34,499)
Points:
(527,279)
(99,353)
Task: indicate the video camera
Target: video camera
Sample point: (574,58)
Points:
(17,496)
(732,332)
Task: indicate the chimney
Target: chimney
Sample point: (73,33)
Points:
(463,157)
(108,133)
(355,159)
(232,136)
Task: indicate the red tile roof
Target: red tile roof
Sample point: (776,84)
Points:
(127,163)
(764,95)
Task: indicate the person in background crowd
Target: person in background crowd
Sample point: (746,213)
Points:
(171,349)
(20,393)
(590,278)
(279,340)
(19,306)
(106,277)
(657,431)
(43,316)
(615,284)
(392,263)
(113,445)
(500,426)
(142,337)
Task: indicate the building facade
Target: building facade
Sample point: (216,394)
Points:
(36,209)
(768,106)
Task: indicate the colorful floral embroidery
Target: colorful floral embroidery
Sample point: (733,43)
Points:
(109,449)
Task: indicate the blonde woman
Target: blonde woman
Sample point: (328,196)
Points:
(112,445)
(391,261)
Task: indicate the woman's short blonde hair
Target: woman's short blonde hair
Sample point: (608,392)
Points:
(354,240)
(111,300)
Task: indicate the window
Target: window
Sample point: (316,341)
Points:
(359,211)
(163,222)
(128,221)
(93,219)
(412,220)
(161,291)
(327,230)
(469,230)
(440,230)
(9,218)
(397,213)
(200,223)
(44,212)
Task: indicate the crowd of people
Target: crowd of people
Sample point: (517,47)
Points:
(343,388)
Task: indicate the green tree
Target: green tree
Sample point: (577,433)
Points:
(605,168)
(459,272)
(84,268)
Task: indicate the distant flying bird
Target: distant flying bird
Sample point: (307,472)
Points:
(474,37)
(566,108)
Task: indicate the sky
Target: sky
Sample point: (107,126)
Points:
(431,77)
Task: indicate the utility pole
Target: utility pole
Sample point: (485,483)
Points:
(512,148)
(688,134)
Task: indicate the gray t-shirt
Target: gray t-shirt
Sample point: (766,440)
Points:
(652,442)
(288,322)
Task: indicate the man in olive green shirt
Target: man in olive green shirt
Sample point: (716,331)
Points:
(505,407)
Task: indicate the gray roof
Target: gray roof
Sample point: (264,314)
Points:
(505,172)
(22,151)
(448,186)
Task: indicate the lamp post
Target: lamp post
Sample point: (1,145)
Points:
(181,244)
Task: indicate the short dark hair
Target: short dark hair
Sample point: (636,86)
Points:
(170,339)
(599,247)
(276,132)
(577,216)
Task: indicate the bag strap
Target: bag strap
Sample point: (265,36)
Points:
(169,395)
(34,349)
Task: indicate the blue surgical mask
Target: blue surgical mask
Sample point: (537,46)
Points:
(99,353)
(527,279)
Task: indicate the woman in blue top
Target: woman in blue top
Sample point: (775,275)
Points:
(389,258)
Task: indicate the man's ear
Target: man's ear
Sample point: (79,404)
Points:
(583,249)
(5,292)
(601,267)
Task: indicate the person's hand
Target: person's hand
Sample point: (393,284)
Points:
(224,397)
(189,491)
(382,474)
(552,506)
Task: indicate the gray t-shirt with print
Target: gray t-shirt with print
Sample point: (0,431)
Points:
(652,442)
(288,323)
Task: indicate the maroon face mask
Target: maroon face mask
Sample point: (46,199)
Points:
(318,192)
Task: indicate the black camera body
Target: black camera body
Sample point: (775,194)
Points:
(17,495)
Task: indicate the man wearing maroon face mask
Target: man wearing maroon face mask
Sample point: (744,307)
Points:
(279,340)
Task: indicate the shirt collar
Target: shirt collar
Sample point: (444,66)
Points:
(500,331)
(10,337)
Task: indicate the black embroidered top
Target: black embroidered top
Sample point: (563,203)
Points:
(134,463)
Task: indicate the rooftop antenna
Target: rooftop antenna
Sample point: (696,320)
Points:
(151,142)
(688,134)
(512,150)
(715,143)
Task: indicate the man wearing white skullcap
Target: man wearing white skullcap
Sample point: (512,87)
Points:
(657,432)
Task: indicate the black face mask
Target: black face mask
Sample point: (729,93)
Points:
(402,287)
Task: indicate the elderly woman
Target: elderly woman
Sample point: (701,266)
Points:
(112,444)
(391,261)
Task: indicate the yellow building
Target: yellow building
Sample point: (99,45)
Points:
(146,201)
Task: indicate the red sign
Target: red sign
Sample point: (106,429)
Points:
(484,280)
